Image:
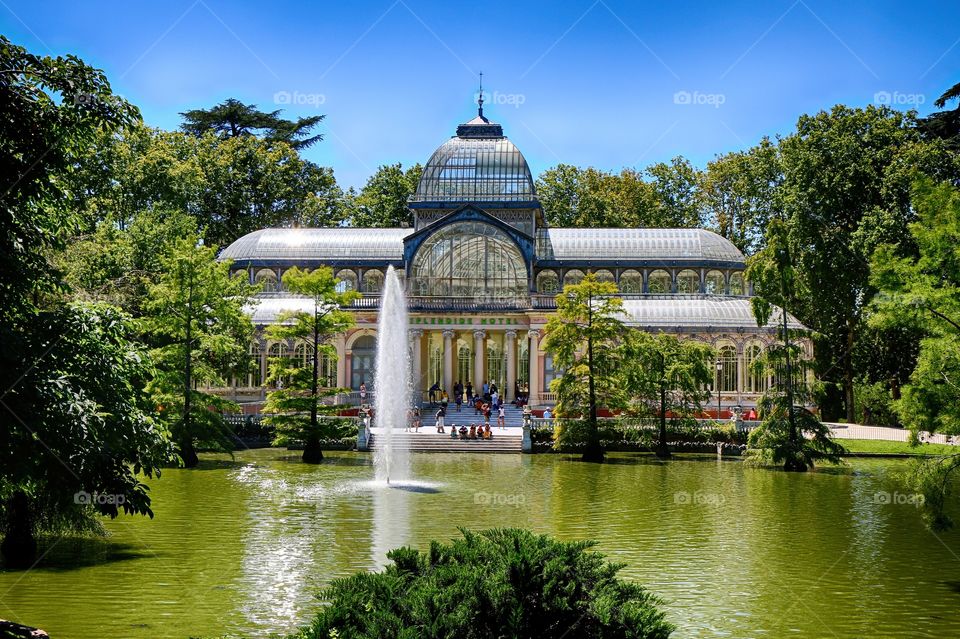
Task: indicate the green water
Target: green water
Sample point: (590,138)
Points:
(241,546)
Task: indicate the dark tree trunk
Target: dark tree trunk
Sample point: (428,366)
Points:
(663,451)
(188,453)
(19,546)
(594,451)
(848,377)
(312,454)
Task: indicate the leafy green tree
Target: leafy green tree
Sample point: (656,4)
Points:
(195,319)
(495,583)
(295,406)
(944,124)
(738,194)
(922,292)
(232,118)
(789,433)
(51,113)
(584,337)
(664,374)
(78,435)
(677,193)
(382,202)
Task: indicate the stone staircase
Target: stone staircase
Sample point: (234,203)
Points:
(427,440)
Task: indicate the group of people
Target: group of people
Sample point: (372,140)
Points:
(476,431)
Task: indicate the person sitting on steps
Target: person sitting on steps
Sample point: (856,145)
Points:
(463,431)
(473,431)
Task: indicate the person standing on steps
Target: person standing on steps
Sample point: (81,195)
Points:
(501,417)
(440,415)
(469,391)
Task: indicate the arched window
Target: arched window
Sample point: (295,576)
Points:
(469,259)
(736,284)
(372,281)
(603,275)
(303,355)
(756,381)
(267,279)
(255,376)
(362,362)
(573,276)
(631,282)
(659,283)
(465,363)
(714,283)
(347,280)
(727,371)
(688,282)
(548,282)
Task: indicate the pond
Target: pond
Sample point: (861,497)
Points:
(241,546)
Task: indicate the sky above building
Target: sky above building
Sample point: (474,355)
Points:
(604,83)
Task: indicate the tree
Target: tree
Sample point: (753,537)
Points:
(294,407)
(584,338)
(200,333)
(382,202)
(232,118)
(52,112)
(841,195)
(945,124)
(665,374)
(789,434)
(78,436)
(495,583)
(922,292)
(738,194)
(677,189)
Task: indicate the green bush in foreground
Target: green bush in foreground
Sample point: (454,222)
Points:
(495,583)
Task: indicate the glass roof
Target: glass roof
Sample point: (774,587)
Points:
(634,244)
(318,244)
(695,311)
(478,169)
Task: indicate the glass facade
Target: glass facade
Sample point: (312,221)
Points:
(469,260)
(476,169)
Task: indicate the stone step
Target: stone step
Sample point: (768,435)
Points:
(502,442)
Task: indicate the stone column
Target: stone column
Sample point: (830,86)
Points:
(340,343)
(510,343)
(348,369)
(416,351)
(479,351)
(535,382)
(448,362)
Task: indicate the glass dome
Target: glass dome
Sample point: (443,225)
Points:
(477,169)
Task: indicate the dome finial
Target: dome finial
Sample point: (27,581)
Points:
(480,99)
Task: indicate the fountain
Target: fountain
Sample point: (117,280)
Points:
(391,383)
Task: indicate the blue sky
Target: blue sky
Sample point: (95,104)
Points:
(604,83)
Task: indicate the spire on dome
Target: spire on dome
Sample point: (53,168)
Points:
(480,99)
(480,126)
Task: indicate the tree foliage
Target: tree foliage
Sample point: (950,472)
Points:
(200,335)
(666,375)
(295,405)
(584,337)
(232,118)
(382,202)
(495,583)
(78,425)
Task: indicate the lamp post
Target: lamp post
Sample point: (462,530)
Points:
(719,372)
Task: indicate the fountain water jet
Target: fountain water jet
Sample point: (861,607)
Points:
(392,382)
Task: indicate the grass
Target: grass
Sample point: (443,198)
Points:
(888,447)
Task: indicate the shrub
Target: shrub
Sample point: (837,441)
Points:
(495,583)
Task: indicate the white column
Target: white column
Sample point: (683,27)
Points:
(510,343)
(448,362)
(416,351)
(535,382)
(479,351)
